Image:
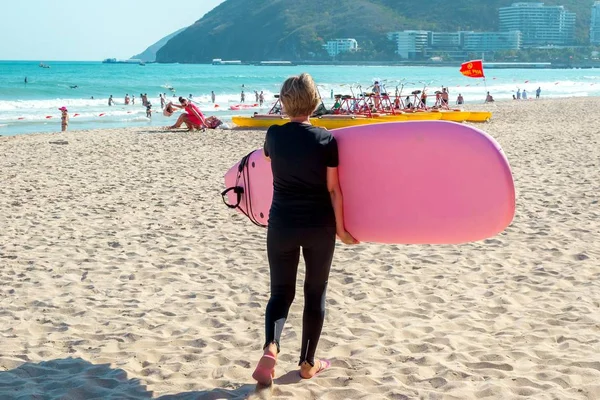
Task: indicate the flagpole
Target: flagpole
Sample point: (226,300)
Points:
(485,86)
(484,81)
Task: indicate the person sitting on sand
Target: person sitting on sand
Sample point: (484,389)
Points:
(489,98)
(192,118)
(306,213)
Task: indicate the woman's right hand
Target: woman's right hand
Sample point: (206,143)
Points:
(347,238)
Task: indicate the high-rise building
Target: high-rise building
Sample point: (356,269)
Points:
(418,44)
(337,46)
(411,44)
(595,25)
(539,25)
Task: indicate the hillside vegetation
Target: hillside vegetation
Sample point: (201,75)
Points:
(254,30)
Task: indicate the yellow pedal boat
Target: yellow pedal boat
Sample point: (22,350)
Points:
(335,121)
(454,115)
(479,116)
(259,121)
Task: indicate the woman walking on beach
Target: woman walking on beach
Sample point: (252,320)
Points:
(64,119)
(306,213)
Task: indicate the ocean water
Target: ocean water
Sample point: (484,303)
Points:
(33,106)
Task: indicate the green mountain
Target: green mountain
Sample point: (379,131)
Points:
(149,55)
(254,30)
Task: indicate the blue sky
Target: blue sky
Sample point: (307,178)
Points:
(45,30)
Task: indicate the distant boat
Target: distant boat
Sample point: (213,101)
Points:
(276,63)
(119,61)
(143,64)
(218,61)
(42,65)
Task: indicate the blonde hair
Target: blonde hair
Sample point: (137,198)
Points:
(299,95)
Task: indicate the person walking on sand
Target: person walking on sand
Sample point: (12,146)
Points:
(64,119)
(524,94)
(111,101)
(460,100)
(212,96)
(306,213)
(537,92)
(518,94)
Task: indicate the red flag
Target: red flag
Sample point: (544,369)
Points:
(472,69)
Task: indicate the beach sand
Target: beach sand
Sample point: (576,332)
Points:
(123,275)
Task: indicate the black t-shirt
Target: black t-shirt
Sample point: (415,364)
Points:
(300,154)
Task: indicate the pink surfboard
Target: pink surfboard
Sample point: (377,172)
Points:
(421,182)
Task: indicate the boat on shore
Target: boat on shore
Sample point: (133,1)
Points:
(366,107)
(259,120)
(479,116)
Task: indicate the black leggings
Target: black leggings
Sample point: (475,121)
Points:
(283,249)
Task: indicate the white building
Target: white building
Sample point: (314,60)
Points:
(539,25)
(442,40)
(410,44)
(337,46)
(491,41)
(595,25)
(416,44)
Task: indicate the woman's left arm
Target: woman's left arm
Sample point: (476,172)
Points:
(337,201)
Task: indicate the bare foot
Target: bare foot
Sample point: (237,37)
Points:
(308,371)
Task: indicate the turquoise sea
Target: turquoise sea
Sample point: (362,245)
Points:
(25,107)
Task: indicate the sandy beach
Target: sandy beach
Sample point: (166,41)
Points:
(123,276)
